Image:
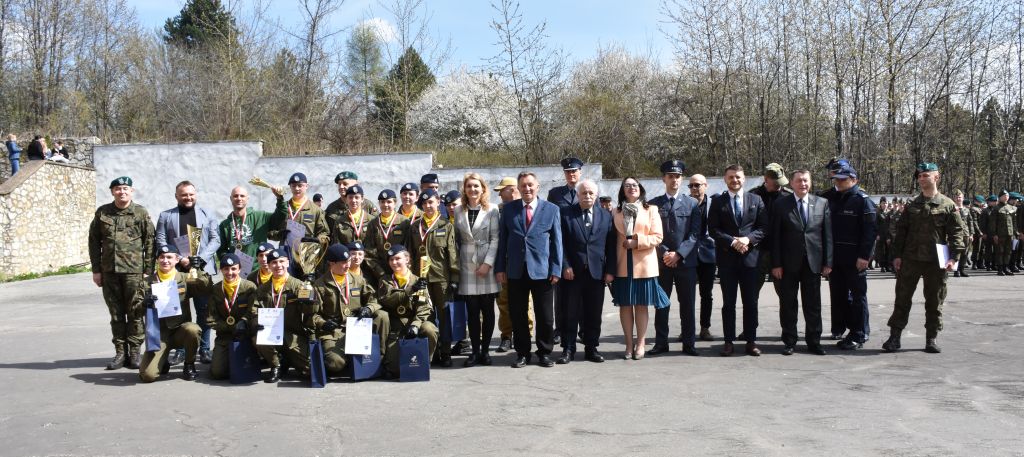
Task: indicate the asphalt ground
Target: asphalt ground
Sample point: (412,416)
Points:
(56,398)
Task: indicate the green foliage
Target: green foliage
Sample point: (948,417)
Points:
(394,95)
(363,61)
(200,24)
(69,270)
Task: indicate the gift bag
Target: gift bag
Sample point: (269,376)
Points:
(457,313)
(367,366)
(243,362)
(413,360)
(152,330)
(317,373)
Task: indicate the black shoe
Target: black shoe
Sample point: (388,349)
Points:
(545,361)
(963,274)
(930,346)
(273,376)
(688,349)
(189,372)
(567,356)
(788,350)
(705,335)
(118,361)
(1014,269)
(849,345)
(594,356)
(445,361)
(505,346)
(658,349)
(165,367)
(205,357)
(521,361)
(557,339)
(471,361)
(458,348)
(484,359)
(176,356)
(816,349)
(134,358)
(956,274)
(1008,271)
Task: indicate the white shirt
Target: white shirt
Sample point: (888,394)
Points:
(732,198)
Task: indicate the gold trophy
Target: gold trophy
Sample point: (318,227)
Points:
(194,235)
(423,296)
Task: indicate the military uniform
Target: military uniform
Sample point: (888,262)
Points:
(437,242)
(405,308)
(883,219)
(970,230)
(295,349)
(337,210)
(976,214)
(1002,223)
(255,278)
(379,238)
(175,331)
(312,218)
(121,249)
(335,304)
(230,318)
(349,228)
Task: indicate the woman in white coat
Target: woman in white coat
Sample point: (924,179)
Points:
(476,229)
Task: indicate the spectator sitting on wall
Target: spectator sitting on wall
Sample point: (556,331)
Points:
(59,149)
(37,148)
(13,153)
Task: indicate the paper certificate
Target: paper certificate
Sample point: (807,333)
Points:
(244,262)
(943,253)
(358,335)
(272,320)
(168,303)
(295,233)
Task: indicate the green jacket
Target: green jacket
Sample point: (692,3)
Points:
(1002,220)
(338,209)
(404,307)
(330,304)
(241,310)
(294,308)
(121,240)
(926,222)
(255,229)
(373,243)
(441,249)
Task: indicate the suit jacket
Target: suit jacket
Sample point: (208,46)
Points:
(649,235)
(209,242)
(680,221)
(529,253)
(563,196)
(705,243)
(478,244)
(723,228)
(594,248)
(792,240)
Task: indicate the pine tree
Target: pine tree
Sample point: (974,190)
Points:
(201,23)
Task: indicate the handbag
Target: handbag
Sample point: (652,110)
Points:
(367,366)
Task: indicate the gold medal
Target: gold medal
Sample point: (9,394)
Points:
(238,247)
(423,250)
(230,320)
(387,245)
(401,310)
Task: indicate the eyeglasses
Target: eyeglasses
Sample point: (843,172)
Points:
(695,186)
(631,186)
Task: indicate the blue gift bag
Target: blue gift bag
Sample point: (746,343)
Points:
(243,362)
(152,330)
(367,366)
(317,373)
(457,312)
(413,360)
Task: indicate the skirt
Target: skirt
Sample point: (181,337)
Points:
(637,291)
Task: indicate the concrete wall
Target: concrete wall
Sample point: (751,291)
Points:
(45,211)
(655,187)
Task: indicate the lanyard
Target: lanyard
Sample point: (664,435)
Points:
(238,232)
(293,215)
(345,290)
(425,231)
(362,223)
(228,305)
(277,299)
(391,226)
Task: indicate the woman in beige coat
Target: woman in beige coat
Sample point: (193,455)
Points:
(476,229)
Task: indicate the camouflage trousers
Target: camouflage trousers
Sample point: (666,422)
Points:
(911,271)
(123,294)
(1003,250)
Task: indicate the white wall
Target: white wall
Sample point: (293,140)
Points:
(655,186)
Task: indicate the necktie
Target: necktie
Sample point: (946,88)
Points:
(587,221)
(671,214)
(736,209)
(529,215)
(800,207)
(572,195)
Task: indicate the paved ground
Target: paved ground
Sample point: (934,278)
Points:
(57,399)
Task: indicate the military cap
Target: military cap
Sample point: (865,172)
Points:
(386,194)
(297,178)
(264,247)
(167,249)
(605,198)
(396,249)
(430,178)
(673,166)
(846,172)
(979,198)
(426,194)
(318,197)
(1015,196)
(275,254)
(229,259)
(356,189)
(337,253)
(571,163)
(122,181)
(409,187)
(1004,192)
(451,197)
(345,175)
(966,202)
(883,200)
(836,163)
(775,171)
(507,181)
(927,166)
(992,198)
(355,246)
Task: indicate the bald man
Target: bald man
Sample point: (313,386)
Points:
(705,256)
(246,228)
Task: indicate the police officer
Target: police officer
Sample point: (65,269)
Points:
(175,331)
(564,197)
(230,313)
(433,239)
(121,250)
(403,295)
(853,234)
(929,219)
(1002,222)
(387,229)
(290,293)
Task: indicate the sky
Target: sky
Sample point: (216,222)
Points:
(580,27)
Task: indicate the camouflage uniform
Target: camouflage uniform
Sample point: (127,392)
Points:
(1002,222)
(331,305)
(441,249)
(971,230)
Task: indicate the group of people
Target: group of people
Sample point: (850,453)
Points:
(36,150)
(546,263)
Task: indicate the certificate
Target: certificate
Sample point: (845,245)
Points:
(943,253)
(358,335)
(296,232)
(168,303)
(244,263)
(272,320)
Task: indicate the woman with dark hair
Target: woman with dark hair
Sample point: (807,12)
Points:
(635,286)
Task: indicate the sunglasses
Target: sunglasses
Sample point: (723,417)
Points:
(695,186)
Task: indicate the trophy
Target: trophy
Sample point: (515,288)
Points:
(629,212)
(308,255)
(194,235)
(257,181)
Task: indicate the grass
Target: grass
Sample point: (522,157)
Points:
(68,270)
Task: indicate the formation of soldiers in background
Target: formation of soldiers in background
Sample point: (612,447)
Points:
(375,257)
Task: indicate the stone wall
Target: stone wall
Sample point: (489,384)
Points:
(45,211)
(79,150)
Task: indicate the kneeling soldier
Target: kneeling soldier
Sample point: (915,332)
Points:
(341,295)
(285,291)
(230,310)
(175,331)
(261,275)
(404,297)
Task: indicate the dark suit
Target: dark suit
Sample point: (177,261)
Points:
(737,269)
(590,252)
(681,221)
(564,197)
(529,256)
(801,250)
(705,264)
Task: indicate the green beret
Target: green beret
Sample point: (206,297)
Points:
(122,181)
(927,166)
(1015,196)
(345,175)
(979,198)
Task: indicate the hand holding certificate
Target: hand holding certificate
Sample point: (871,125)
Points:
(272,320)
(358,336)
(167,302)
(944,257)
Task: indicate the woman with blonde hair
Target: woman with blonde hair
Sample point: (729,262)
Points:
(635,286)
(476,229)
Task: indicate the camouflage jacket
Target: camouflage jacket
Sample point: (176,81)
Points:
(121,240)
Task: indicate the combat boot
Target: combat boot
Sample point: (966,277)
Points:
(118,361)
(930,346)
(134,357)
(1000,271)
(1014,269)
(893,343)
(189,371)
(1007,271)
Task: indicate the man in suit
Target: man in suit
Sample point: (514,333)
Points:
(681,220)
(564,197)
(737,221)
(801,227)
(588,246)
(530,261)
(705,255)
(174,223)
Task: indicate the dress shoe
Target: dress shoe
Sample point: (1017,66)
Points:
(1000,273)
(205,357)
(658,349)
(1014,269)
(471,361)
(557,339)
(594,356)
(566,357)
(504,346)
(484,359)
(930,346)
(189,372)
(816,350)
(445,361)
(521,361)
(788,350)
(849,344)
(705,334)
(727,350)
(688,349)
(117,361)
(273,376)
(134,358)
(545,361)
(752,350)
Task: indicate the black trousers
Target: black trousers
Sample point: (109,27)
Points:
(848,291)
(685,280)
(706,286)
(808,283)
(746,279)
(584,298)
(480,308)
(519,291)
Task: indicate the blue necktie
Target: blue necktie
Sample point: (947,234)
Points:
(800,207)
(736,209)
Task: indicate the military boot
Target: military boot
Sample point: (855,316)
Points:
(1014,269)
(118,361)
(189,371)
(1000,271)
(930,346)
(134,357)
(893,343)
(1007,271)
